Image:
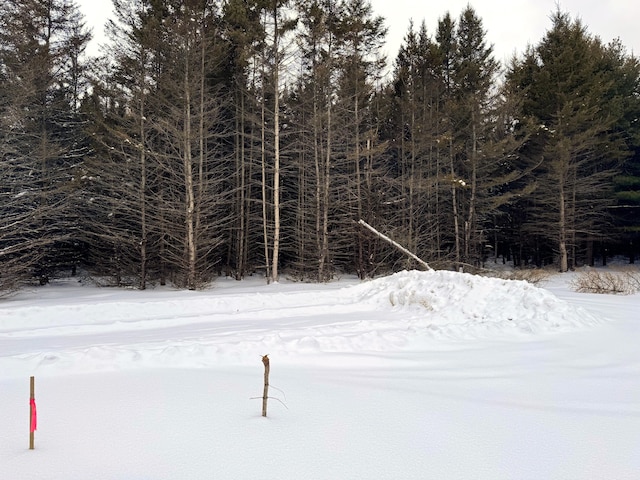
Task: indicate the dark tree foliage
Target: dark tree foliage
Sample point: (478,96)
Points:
(575,92)
(233,136)
(42,138)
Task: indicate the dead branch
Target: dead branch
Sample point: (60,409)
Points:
(395,244)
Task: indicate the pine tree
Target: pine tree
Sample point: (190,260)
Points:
(243,34)
(312,111)
(417,94)
(570,91)
(168,214)
(359,37)
(41,130)
(277,24)
(120,174)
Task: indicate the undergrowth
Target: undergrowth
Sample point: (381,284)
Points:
(617,282)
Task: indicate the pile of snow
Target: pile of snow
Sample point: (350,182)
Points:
(463,305)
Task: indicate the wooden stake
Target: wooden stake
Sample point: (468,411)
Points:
(32,396)
(265,393)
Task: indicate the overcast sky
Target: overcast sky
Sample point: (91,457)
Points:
(510,24)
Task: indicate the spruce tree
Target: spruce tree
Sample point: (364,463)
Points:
(42,134)
(570,93)
(359,37)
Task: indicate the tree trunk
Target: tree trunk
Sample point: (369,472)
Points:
(276,158)
(326,185)
(562,230)
(143,199)
(263,157)
(202,145)
(189,184)
(325,197)
(362,270)
(470,223)
(454,204)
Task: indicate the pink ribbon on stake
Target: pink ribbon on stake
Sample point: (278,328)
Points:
(34,415)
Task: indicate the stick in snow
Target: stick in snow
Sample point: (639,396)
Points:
(32,413)
(265,393)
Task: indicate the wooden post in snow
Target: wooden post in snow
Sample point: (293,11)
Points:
(265,392)
(32,413)
(395,244)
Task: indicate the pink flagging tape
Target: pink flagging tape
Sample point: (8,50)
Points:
(34,415)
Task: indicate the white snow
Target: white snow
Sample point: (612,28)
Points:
(419,375)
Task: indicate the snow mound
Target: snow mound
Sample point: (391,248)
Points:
(464,305)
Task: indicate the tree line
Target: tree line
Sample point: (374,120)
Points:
(232,136)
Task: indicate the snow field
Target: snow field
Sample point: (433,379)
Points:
(417,375)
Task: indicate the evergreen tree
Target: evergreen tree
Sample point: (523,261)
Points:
(243,35)
(418,88)
(122,173)
(312,112)
(41,131)
(570,93)
(277,24)
(475,71)
(359,37)
(169,139)
(627,184)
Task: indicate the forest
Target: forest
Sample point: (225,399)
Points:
(235,137)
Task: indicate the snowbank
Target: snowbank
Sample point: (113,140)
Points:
(89,329)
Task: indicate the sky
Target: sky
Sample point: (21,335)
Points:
(514,24)
(510,25)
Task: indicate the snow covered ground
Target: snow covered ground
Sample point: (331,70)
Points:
(419,375)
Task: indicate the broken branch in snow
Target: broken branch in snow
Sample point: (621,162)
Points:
(395,244)
(265,393)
